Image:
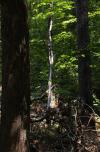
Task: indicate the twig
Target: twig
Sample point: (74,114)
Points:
(42,96)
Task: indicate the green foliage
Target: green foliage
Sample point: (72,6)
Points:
(63,38)
(94,25)
(65,71)
(96,104)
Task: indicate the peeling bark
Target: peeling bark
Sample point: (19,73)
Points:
(51,60)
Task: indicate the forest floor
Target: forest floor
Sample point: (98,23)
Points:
(62,133)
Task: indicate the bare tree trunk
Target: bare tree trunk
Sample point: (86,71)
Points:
(51,59)
(15,77)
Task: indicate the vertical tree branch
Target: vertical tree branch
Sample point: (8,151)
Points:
(51,58)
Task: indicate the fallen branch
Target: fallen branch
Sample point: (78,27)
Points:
(37,120)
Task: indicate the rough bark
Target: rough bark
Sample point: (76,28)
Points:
(15,77)
(83,52)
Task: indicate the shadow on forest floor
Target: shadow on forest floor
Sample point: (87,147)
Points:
(63,130)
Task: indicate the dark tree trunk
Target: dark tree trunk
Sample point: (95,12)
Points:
(83,52)
(15,77)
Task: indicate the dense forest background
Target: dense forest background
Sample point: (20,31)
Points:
(64,39)
(65,70)
(50,76)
